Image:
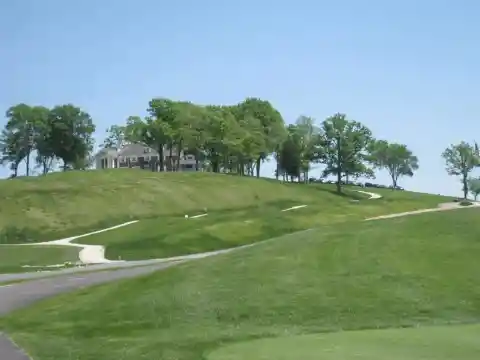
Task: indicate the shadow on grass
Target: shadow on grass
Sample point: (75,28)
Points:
(346,193)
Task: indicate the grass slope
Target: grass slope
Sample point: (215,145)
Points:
(12,258)
(402,272)
(427,343)
(67,204)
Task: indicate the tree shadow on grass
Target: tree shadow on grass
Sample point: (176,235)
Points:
(346,193)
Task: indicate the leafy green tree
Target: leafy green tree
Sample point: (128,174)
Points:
(43,143)
(187,120)
(474,187)
(272,122)
(196,135)
(290,154)
(20,128)
(13,150)
(308,142)
(396,158)
(251,140)
(115,137)
(223,131)
(460,160)
(343,147)
(71,134)
(160,126)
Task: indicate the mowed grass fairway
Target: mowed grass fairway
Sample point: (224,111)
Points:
(426,343)
(415,271)
(60,205)
(12,258)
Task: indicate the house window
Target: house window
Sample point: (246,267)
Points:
(188,166)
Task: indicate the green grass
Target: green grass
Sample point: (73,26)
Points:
(174,235)
(404,272)
(66,204)
(427,343)
(12,258)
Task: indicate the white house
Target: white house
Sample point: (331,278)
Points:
(144,157)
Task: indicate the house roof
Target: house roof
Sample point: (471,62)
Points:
(107,152)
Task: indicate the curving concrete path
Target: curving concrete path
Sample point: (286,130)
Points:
(372,195)
(89,254)
(15,296)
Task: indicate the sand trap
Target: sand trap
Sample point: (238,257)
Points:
(294,207)
(197,216)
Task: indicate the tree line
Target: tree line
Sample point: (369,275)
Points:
(46,136)
(233,139)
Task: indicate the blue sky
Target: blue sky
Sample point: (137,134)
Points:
(407,69)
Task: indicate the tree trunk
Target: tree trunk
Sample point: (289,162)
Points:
(170,161)
(215,167)
(258,167)
(160,158)
(465,186)
(45,167)
(339,166)
(339,181)
(27,170)
(179,150)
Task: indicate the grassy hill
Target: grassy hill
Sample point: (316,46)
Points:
(67,204)
(404,272)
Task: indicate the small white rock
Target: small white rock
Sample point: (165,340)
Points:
(186,216)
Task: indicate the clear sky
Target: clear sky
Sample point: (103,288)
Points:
(407,69)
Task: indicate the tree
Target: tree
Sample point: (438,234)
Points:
(290,154)
(196,134)
(308,138)
(223,135)
(396,158)
(272,122)
(71,134)
(13,151)
(43,143)
(460,160)
(115,137)
(343,147)
(20,128)
(474,187)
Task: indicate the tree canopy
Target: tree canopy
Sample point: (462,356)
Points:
(396,158)
(235,139)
